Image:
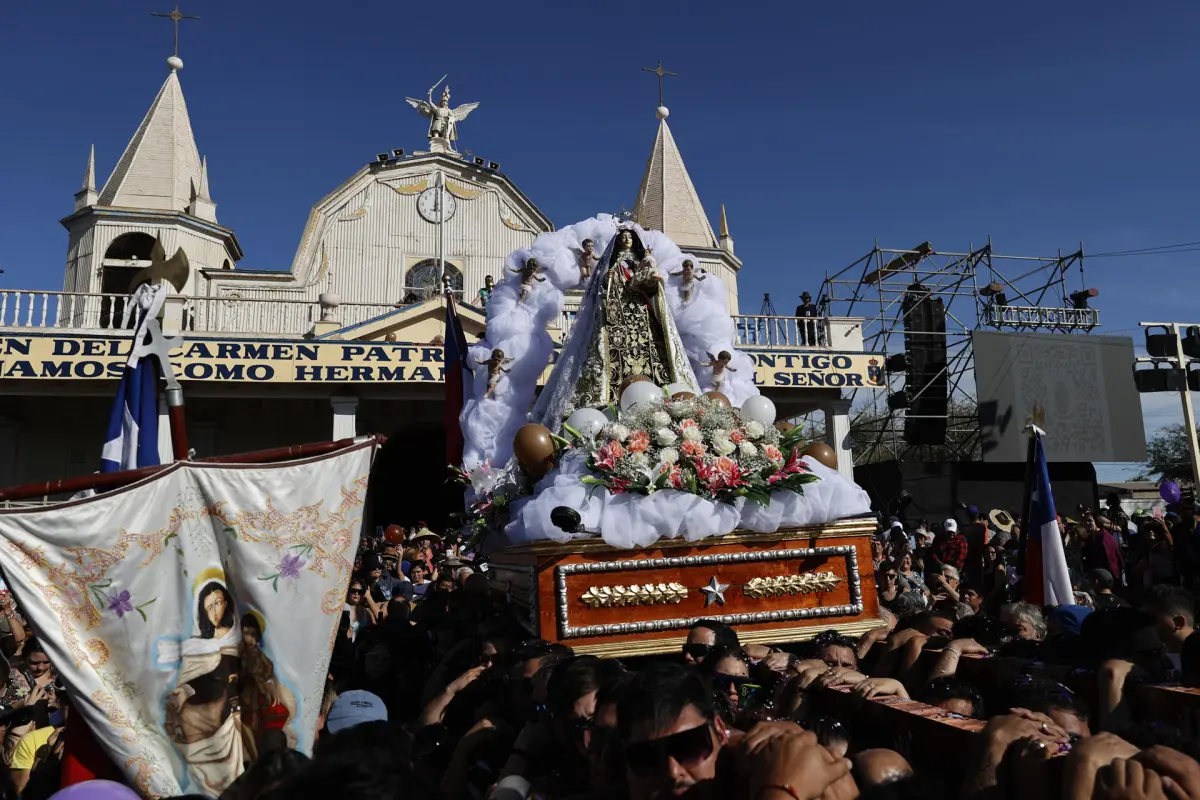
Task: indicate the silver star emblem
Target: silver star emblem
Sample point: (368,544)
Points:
(714,591)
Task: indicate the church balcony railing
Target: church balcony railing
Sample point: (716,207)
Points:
(30,309)
(783,333)
(80,311)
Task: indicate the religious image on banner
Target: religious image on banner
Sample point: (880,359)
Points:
(193,611)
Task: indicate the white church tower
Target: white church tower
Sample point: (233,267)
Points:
(667,201)
(158,190)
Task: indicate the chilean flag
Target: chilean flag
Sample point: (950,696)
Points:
(454,363)
(132,438)
(1047,582)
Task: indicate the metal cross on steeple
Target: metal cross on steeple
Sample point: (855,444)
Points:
(660,72)
(175,16)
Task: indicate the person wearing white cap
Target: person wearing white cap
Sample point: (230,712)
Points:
(952,550)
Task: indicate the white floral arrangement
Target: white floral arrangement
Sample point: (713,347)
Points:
(696,445)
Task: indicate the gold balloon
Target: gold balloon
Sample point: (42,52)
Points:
(629,380)
(534,449)
(682,396)
(717,397)
(822,453)
(783,426)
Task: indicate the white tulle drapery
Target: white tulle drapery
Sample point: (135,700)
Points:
(631,521)
(705,327)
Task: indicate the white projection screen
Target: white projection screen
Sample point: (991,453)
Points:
(1084,385)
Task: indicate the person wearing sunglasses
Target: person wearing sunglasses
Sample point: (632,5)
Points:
(670,732)
(571,701)
(360,614)
(704,636)
(728,669)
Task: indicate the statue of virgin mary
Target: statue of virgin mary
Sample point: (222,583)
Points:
(623,329)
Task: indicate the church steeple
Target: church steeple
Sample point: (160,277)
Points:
(724,239)
(160,165)
(667,200)
(87,196)
(202,205)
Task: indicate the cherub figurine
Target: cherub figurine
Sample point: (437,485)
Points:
(719,365)
(688,273)
(587,260)
(495,368)
(529,273)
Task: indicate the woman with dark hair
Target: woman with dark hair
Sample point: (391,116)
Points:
(202,716)
(728,670)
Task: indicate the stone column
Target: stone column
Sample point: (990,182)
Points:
(344,421)
(166,453)
(837,434)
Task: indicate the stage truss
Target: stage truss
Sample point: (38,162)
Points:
(1033,295)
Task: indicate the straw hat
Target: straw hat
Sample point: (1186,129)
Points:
(1001,520)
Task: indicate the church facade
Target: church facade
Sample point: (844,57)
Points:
(348,339)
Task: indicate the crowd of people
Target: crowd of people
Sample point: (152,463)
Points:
(436,689)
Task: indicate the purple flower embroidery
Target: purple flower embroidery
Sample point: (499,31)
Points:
(290,566)
(121,603)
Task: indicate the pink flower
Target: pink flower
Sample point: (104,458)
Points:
(692,449)
(612,450)
(736,436)
(608,455)
(726,466)
(638,441)
(772,453)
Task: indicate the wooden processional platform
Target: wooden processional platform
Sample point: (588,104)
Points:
(784,586)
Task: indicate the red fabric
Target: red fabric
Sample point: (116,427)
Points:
(275,717)
(83,758)
(1033,582)
(954,552)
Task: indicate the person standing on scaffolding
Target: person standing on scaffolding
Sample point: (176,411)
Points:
(808,330)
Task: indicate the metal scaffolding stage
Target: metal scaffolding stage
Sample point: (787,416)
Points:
(979,289)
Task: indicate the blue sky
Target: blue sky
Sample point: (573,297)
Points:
(820,126)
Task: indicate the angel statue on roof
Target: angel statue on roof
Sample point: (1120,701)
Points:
(624,329)
(443,120)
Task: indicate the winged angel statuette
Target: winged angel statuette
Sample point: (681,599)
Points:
(443,120)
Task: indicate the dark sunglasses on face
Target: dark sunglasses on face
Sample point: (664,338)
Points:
(687,748)
(727,682)
(697,651)
(355,591)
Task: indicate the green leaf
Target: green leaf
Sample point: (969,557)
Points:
(142,613)
(275,584)
(232,532)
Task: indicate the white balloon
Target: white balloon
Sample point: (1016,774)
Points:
(587,421)
(640,392)
(760,409)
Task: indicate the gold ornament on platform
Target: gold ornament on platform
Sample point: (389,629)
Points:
(810,583)
(717,397)
(650,594)
(682,396)
(534,448)
(822,453)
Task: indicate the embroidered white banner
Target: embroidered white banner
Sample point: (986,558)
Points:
(191,611)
